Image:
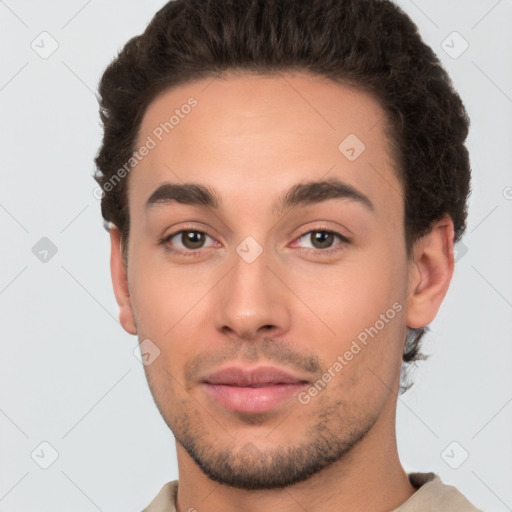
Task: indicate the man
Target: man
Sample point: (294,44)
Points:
(283,184)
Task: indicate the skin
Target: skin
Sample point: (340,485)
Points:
(251,138)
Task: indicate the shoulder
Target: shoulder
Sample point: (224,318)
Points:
(433,494)
(165,500)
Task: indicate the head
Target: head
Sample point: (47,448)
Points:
(283,184)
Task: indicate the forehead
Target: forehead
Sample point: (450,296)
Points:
(265,132)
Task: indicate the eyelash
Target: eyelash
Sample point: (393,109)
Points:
(193,252)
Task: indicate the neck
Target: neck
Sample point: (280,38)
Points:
(369,477)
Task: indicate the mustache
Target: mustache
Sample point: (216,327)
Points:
(265,350)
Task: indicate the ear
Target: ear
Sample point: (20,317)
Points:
(431,270)
(120,282)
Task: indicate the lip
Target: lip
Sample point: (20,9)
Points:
(252,390)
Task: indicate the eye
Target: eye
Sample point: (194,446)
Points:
(322,240)
(186,240)
(192,241)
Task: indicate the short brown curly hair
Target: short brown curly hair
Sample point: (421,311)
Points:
(369,44)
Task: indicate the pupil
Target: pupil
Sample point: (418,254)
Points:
(324,238)
(192,239)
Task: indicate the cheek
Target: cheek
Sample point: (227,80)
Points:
(162,306)
(359,311)
(349,298)
(158,292)
(171,307)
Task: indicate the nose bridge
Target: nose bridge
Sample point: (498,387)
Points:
(251,295)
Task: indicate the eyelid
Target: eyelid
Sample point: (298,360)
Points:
(187,226)
(325,229)
(329,251)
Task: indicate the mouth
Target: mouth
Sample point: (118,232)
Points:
(252,390)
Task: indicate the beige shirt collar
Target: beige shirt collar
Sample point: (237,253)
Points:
(432,495)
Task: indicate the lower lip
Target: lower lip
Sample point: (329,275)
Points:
(252,399)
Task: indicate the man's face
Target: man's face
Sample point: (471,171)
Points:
(252,288)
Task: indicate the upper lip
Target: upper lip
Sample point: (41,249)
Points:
(258,376)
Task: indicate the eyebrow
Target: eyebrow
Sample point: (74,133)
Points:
(301,194)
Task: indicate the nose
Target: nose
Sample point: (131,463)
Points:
(252,300)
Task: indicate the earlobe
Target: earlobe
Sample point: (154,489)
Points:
(120,282)
(431,270)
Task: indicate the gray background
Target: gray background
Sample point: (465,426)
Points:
(68,376)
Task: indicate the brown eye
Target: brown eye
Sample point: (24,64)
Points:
(187,240)
(192,239)
(322,239)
